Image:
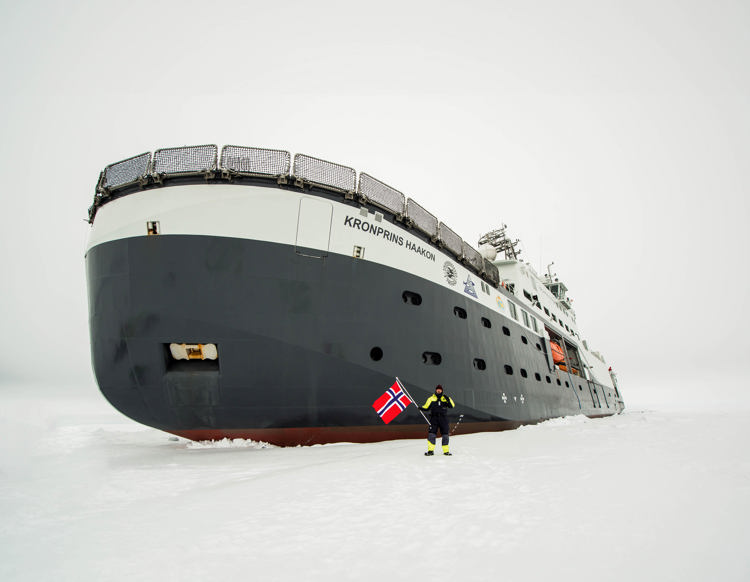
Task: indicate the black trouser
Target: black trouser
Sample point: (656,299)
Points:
(438,422)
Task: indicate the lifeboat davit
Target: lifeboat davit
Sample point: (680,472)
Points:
(557,353)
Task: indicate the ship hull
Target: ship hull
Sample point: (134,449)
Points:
(306,342)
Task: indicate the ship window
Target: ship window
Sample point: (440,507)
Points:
(411,298)
(525,318)
(506,331)
(533,323)
(546,311)
(566,384)
(527,295)
(539,347)
(459,312)
(558,382)
(524,373)
(537,376)
(524,340)
(480,364)
(508,370)
(512,307)
(548,380)
(376,354)
(432,358)
(486,322)
(554,318)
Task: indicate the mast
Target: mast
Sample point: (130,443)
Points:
(502,244)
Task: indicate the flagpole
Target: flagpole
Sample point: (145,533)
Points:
(412,399)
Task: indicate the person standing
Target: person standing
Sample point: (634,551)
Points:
(438,405)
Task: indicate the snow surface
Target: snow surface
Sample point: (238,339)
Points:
(86,494)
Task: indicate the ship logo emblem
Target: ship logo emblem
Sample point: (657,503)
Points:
(469,287)
(451,275)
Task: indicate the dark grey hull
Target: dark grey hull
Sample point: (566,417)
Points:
(300,340)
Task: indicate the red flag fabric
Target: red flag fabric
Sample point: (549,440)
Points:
(392,403)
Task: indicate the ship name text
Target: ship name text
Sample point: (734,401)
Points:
(395,238)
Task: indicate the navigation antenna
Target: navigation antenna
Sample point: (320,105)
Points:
(502,244)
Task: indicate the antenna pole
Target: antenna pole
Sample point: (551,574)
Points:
(412,399)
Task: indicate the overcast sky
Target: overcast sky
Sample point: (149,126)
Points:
(612,137)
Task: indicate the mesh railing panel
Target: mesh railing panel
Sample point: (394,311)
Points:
(246,160)
(126,171)
(451,240)
(473,256)
(381,194)
(422,219)
(325,173)
(492,273)
(185,160)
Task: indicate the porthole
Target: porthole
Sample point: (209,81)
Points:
(480,364)
(558,382)
(506,331)
(411,298)
(537,376)
(432,358)
(486,323)
(459,312)
(548,380)
(539,347)
(524,340)
(508,370)
(524,373)
(376,354)
(566,384)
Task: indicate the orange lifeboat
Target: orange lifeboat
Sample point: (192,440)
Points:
(557,353)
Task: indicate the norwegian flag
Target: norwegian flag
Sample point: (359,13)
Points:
(392,403)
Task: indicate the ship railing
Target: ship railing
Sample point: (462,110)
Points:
(381,195)
(184,161)
(316,172)
(254,162)
(236,162)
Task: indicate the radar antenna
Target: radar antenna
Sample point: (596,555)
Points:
(502,244)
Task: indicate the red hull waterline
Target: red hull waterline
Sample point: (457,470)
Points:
(303,436)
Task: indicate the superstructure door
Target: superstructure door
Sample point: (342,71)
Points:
(314,227)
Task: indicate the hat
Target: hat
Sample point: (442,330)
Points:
(438,387)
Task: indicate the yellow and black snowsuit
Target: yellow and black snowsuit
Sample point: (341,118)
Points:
(438,405)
